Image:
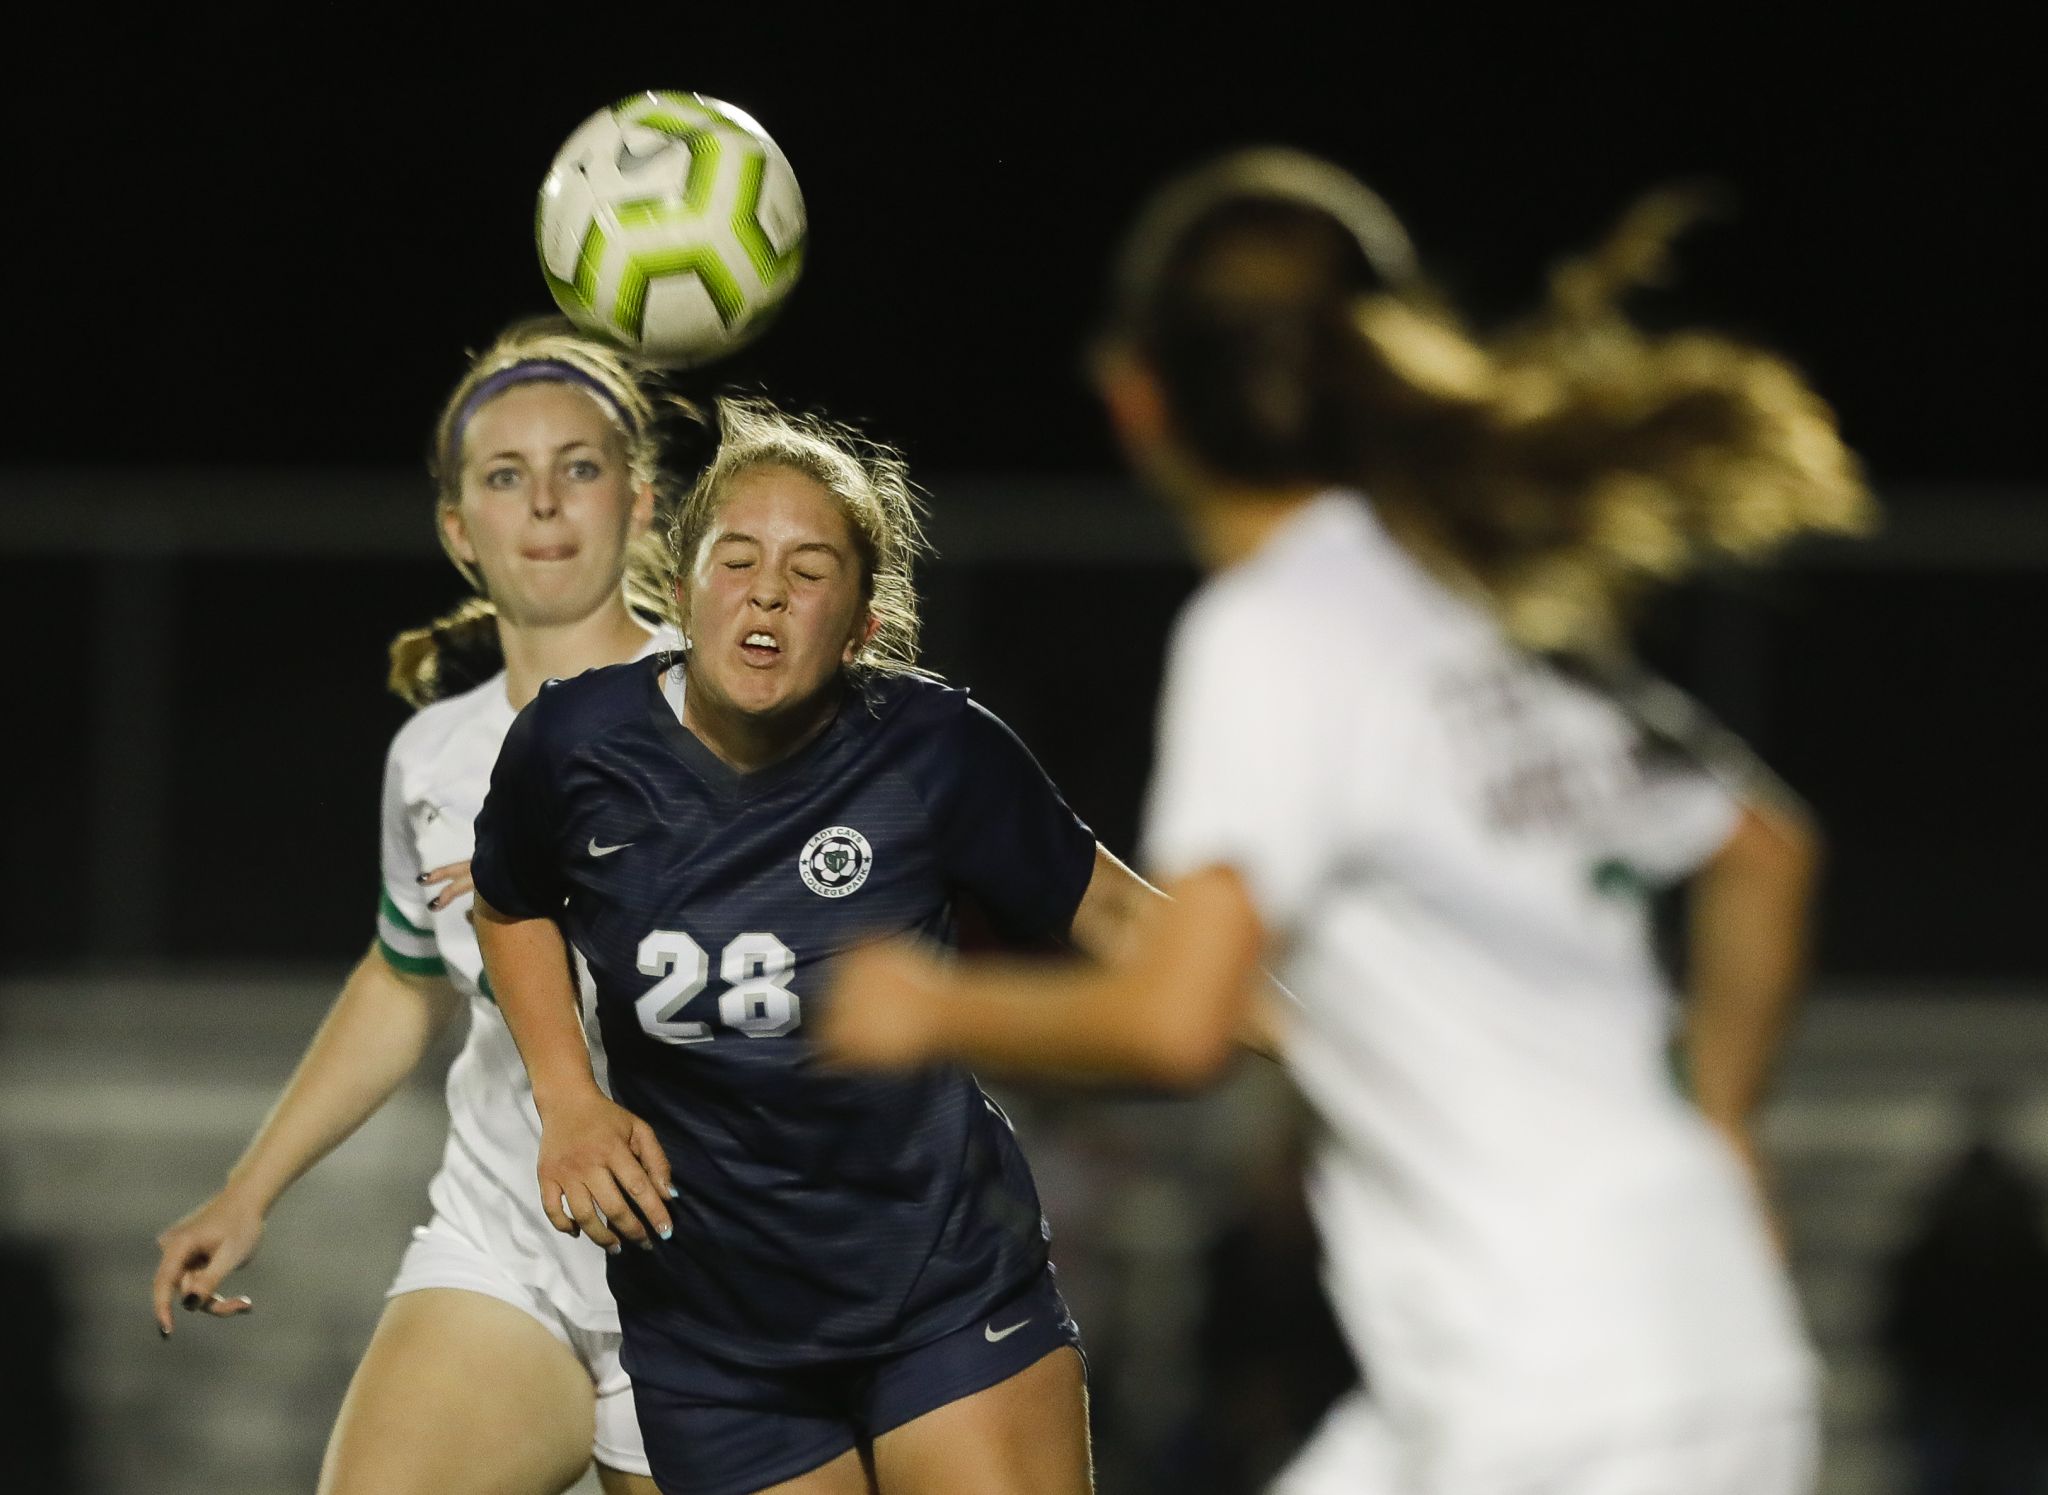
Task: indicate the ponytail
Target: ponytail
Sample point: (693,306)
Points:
(1575,462)
(1557,470)
(456,652)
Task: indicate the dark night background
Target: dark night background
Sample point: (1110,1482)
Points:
(246,251)
(263,243)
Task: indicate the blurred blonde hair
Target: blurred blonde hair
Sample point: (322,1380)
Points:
(870,481)
(1595,460)
(464,641)
(1558,470)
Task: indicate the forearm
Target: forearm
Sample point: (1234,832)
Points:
(1167,1012)
(379,1028)
(1108,926)
(1751,909)
(1083,1022)
(528,963)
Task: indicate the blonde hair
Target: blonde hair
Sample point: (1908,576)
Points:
(425,661)
(1598,461)
(871,482)
(1559,470)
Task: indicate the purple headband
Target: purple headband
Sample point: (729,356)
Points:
(529,371)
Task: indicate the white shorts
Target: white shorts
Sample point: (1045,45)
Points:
(1774,1452)
(441,1255)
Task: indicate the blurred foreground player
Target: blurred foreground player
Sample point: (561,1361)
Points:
(828,1283)
(495,1367)
(1404,759)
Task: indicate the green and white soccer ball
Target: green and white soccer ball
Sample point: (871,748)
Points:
(671,223)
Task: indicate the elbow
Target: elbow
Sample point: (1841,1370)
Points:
(1190,989)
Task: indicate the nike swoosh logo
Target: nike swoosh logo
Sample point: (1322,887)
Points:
(605,851)
(996,1336)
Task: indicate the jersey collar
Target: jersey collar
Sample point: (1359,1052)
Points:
(664,707)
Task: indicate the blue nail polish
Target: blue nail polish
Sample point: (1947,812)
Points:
(674,1192)
(667,1231)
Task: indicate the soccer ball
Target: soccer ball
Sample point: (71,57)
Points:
(671,223)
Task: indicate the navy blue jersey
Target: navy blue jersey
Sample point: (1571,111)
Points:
(822,1214)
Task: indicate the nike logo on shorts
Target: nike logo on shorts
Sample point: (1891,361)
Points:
(605,851)
(996,1336)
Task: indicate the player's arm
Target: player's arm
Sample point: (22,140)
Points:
(379,1028)
(594,1153)
(1751,887)
(1109,917)
(1750,921)
(1166,1006)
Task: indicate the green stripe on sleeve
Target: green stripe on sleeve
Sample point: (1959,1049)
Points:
(411,965)
(390,911)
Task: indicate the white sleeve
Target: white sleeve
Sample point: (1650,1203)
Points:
(1686,816)
(1693,787)
(405,929)
(1260,766)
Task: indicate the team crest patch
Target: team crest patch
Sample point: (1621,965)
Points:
(835,861)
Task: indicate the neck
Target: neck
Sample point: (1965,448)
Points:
(1229,523)
(537,652)
(749,741)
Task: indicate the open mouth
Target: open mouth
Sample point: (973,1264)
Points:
(760,647)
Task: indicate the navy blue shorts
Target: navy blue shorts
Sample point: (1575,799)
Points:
(739,1428)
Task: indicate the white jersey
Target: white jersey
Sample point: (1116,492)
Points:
(435,778)
(1533,1240)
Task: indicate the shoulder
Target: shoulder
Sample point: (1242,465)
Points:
(935,737)
(929,725)
(912,705)
(1332,603)
(428,732)
(567,712)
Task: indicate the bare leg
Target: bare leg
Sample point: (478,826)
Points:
(1024,1436)
(460,1394)
(849,1474)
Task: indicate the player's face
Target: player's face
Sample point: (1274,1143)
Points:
(548,504)
(774,597)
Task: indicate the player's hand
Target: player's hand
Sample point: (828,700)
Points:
(455,875)
(198,1253)
(603,1174)
(883,1008)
